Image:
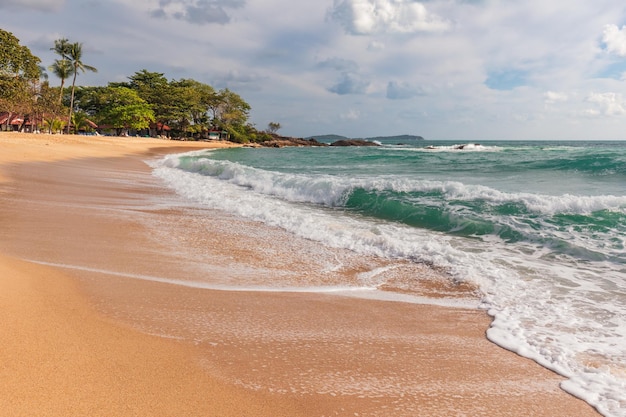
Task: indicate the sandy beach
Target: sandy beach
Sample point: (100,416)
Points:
(108,309)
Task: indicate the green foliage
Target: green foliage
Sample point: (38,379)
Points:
(263,137)
(63,69)
(123,109)
(47,104)
(90,100)
(53,124)
(74,54)
(16,61)
(273,127)
(19,74)
(80,120)
(190,107)
(229,109)
(148,99)
(242,133)
(153,87)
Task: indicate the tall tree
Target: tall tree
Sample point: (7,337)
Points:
(47,106)
(19,71)
(62,67)
(61,47)
(123,109)
(75,56)
(153,87)
(273,127)
(90,100)
(233,109)
(189,106)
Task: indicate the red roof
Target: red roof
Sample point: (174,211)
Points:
(15,119)
(160,126)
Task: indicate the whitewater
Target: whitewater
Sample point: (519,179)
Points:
(539,227)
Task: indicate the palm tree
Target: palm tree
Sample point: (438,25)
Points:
(63,69)
(74,55)
(61,47)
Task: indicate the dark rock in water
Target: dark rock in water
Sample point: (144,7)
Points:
(282,141)
(461,147)
(354,142)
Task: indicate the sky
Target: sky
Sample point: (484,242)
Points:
(442,69)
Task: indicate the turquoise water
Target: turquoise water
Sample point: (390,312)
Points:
(539,226)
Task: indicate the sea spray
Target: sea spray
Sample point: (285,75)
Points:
(539,226)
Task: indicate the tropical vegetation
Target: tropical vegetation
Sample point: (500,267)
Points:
(20,74)
(147,104)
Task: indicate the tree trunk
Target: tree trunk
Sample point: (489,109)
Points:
(61,92)
(21,128)
(69,120)
(8,122)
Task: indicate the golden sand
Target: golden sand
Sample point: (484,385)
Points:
(78,341)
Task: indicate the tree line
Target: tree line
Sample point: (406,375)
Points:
(148,103)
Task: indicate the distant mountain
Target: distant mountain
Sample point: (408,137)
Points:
(328,138)
(399,138)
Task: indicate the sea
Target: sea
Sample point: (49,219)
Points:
(539,227)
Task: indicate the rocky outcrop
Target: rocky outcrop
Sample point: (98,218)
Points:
(282,141)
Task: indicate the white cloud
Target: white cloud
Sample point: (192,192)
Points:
(609,104)
(199,12)
(42,5)
(552,97)
(284,56)
(614,40)
(367,17)
(350,115)
(375,46)
(591,113)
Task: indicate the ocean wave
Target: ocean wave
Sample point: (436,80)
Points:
(578,227)
(601,164)
(551,267)
(337,191)
(459,147)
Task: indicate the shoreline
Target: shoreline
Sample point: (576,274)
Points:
(276,354)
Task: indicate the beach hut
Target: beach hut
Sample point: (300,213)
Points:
(217,134)
(159,129)
(16,122)
(12,122)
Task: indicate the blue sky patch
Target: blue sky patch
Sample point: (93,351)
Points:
(506,79)
(614,70)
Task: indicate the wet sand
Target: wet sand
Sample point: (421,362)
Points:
(105,289)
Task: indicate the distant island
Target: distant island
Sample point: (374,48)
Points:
(398,138)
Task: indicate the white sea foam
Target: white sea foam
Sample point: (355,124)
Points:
(566,313)
(332,191)
(366,292)
(462,147)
